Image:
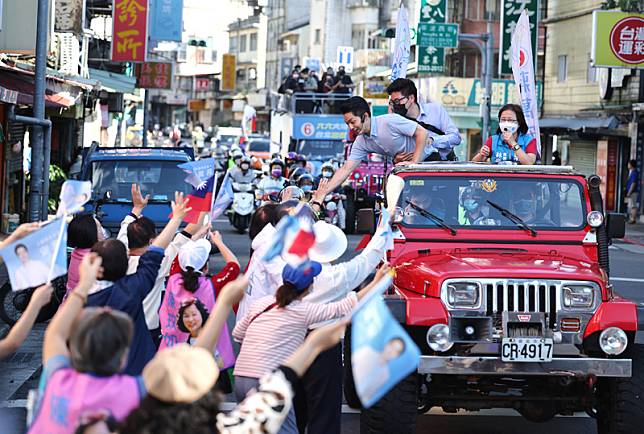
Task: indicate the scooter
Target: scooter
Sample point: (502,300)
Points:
(243,206)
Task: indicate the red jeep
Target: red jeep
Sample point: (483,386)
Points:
(502,281)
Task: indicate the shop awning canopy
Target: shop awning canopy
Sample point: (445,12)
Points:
(575,123)
(113,82)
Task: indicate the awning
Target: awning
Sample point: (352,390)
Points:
(113,82)
(575,123)
(23,84)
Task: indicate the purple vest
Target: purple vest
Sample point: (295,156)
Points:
(69,394)
(171,335)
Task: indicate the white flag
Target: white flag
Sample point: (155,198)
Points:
(403,41)
(523,71)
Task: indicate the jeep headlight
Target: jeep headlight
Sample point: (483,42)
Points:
(578,297)
(463,295)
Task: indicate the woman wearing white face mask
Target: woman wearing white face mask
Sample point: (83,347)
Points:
(511,143)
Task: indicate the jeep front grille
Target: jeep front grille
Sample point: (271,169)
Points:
(522,296)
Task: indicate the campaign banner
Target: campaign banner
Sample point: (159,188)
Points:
(73,195)
(320,127)
(512,11)
(618,39)
(382,353)
(129,30)
(166,20)
(523,71)
(402,45)
(39,257)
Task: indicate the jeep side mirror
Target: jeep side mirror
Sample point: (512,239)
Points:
(615,225)
(366,221)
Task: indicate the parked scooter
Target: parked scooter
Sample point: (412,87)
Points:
(242,207)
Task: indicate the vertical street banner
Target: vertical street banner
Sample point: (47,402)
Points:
(129,30)
(510,14)
(431,59)
(166,20)
(401,50)
(618,39)
(154,75)
(228,71)
(523,71)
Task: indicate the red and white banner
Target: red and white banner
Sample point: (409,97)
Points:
(523,71)
(129,30)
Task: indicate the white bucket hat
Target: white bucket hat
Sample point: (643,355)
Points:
(194,254)
(330,243)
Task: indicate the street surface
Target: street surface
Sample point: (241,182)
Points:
(21,372)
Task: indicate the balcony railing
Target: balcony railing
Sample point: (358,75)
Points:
(373,57)
(364,3)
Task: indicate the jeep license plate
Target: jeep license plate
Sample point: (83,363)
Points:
(526,350)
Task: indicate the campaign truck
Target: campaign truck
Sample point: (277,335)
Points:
(502,281)
(112,172)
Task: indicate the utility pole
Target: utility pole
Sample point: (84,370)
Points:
(40,155)
(146,119)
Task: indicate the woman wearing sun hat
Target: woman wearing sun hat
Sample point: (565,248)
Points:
(276,325)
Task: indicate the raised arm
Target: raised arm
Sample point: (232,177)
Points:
(57,334)
(179,211)
(21,329)
(226,253)
(230,295)
(21,231)
(382,272)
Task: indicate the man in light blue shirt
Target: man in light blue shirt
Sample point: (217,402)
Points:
(403,100)
(389,135)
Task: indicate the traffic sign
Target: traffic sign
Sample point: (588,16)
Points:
(440,35)
(345,58)
(431,59)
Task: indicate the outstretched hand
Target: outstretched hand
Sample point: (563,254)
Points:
(138,201)
(42,295)
(234,291)
(90,269)
(326,337)
(321,192)
(20,232)
(180,206)
(384,269)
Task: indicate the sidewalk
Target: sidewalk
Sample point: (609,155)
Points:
(635,233)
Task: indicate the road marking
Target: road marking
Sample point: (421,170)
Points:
(627,279)
(14,403)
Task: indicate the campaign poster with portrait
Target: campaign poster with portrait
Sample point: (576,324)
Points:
(30,259)
(382,353)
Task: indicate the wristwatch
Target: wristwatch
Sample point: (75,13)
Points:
(516,147)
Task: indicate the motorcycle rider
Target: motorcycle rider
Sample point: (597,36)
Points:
(235,155)
(291,192)
(326,172)
(337,196)
(306,184)
(242,172)
(295,173)
(273,182)
(289,161)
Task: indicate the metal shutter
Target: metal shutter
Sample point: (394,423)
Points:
(582,156)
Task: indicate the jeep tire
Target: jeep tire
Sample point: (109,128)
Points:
(396,412)
(621,400)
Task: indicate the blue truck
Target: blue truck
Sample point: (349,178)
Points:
(112,172)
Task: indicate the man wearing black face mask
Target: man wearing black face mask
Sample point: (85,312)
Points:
(403,100)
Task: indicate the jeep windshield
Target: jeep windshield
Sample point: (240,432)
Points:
(159,179)
(465,202)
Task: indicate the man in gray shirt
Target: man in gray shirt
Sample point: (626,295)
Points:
(387,135)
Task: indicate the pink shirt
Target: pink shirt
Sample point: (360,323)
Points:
(68,394)
(74,263)
(275,334)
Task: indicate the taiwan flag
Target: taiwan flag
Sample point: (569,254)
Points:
(200,200)
(293,238)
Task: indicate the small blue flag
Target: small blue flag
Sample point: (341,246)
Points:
(224,197)
(73,195)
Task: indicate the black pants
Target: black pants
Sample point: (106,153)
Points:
(435,156)
(318,403)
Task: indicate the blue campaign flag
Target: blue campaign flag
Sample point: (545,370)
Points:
(387,233)
(224,197)
(382,353)
(38,257)
(166,20)
(198,171)
(73,195)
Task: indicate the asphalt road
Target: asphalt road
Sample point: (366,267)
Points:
(21,372)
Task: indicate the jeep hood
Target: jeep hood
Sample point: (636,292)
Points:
(413,270)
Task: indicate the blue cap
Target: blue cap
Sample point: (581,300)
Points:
(302,276)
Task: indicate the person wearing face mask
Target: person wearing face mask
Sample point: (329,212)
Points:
(242,172)
(387,135)
(403,100)
(511,143)
(274,182)
(524,204)
(472,210)
(306,184)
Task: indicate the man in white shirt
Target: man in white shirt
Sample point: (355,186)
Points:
(387,135)
(403,100)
